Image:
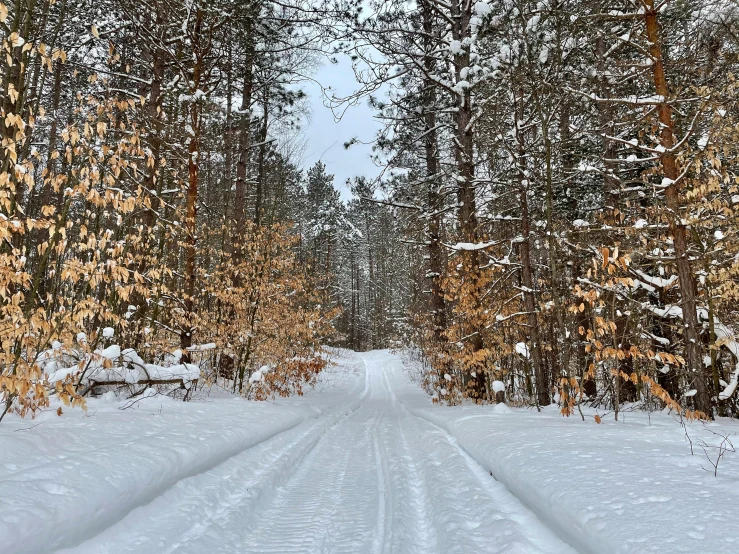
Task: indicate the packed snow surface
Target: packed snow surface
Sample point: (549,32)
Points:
(364,463)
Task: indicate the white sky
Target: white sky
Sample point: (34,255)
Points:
(326,138)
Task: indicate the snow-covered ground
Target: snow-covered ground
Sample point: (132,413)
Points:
(619,487)
(363,463)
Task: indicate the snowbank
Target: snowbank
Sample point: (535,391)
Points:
(615,488)
(100,366)
(620,487)
(68,478)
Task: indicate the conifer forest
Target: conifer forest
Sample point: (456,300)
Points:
(514,328)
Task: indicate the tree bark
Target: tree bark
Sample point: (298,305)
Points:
(193,161)
(244,142)
(261,176)
(543,397)
(437,304)
(674,203)
(461,12)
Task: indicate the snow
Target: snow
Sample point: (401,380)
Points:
(501,408)
(498,386)
(108,333)
(669,311)
(363,463)
(185,372)
(77,475)
(657,281)
(522,349)
(201,347)
(726,337)
(461,86)
(661,340)
(133,369)
(259,374)
(469,246)
(132,358)
(482,8)
(112,352)
(620,487)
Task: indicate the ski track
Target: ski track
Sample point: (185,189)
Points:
(367,477)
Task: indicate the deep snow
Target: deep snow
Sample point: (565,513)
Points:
(363,463)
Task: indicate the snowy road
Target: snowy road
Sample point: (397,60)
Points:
(366,476)
(363,463)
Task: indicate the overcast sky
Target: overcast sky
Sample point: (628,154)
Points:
(325,137)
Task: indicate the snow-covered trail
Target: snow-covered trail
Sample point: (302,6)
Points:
(367,476)
(364,462)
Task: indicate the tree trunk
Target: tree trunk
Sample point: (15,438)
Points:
(437,304)
(244,143)
(461,12)
(193,161)
(527,280)
(527,272)
(678,229)
(261,176)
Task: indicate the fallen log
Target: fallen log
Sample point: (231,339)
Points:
(148,382)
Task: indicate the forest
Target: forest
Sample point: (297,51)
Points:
(554,218)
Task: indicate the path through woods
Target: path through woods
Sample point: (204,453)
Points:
(363,463)
(368,477)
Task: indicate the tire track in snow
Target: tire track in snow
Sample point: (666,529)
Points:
(327,506)
(512,506)
(484,478)
(284,466)
(370,477)
(425,539)
(98,541)
(134,498)
(296,523)
(384,500)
